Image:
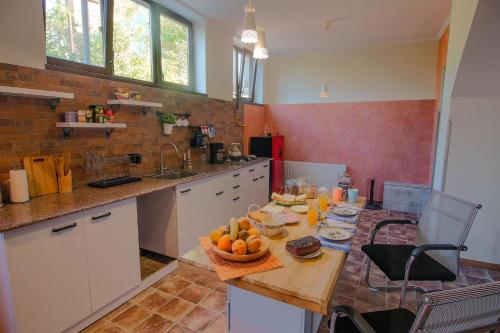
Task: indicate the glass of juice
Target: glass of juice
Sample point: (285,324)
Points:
(312,214)
(323,199)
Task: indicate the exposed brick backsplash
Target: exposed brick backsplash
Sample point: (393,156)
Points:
(27,126)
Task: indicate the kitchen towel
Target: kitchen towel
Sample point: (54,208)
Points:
(227,270)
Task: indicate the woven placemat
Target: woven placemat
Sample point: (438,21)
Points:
(227,270)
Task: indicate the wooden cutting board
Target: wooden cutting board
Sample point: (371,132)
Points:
(41,172)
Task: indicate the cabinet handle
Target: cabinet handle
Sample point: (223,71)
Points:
(219,193)
(186,191)
(236,186)
(61,229)
(100,217)
(255,179)
(236,199)
(236,175)
(261,177)
(251,170)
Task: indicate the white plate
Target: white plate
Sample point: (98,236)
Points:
(345,212)
(301,209)
(334,234)
(310,255)
(273,209)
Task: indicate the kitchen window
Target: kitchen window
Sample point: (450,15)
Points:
(132,50)
(74,31)
(133,40)
(175,49)
(244,73)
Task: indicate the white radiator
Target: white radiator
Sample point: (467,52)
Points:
(323,174)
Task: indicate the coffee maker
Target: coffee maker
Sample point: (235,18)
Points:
(217,153)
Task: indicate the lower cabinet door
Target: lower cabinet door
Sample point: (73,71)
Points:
(48,275)
(192,215)
(112,251)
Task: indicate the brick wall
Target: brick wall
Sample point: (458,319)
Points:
(27,126)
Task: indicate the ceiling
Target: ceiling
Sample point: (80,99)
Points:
(297,25)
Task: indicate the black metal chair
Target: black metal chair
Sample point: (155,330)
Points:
(464,310)
(441,233)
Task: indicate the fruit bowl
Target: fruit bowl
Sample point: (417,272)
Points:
(264,247)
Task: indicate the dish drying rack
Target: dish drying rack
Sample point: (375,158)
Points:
(112,170)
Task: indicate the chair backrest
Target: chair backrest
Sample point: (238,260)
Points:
(459,310)
(446,220)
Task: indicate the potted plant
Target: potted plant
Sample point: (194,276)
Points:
(168,121)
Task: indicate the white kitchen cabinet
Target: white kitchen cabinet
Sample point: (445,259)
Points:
(47,271)
(193,214)
(56,273)
(112,250)
(205,204)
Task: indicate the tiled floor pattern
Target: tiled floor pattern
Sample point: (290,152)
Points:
(191,300)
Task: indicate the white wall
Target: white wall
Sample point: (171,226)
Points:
(219,53)
(473,171)
(22,37)
(462,13)
(392,72)
(473,167)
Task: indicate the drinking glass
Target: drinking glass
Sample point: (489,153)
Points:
(312,214)
(323,199)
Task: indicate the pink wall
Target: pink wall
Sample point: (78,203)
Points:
(254,118)
(382,140)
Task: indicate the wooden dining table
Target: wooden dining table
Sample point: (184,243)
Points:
(289,299)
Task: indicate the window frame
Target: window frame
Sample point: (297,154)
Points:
(107,72)
(252,75)
(82,67)
(160,10)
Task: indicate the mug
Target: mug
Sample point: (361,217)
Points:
(352,195)
(338,194)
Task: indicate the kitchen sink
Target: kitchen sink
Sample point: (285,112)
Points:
(175,174)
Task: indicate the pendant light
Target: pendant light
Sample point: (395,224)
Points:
(324,90)
(249,34)
(260,49)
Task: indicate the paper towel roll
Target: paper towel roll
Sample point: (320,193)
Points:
(19,191)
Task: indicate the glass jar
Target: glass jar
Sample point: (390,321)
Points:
(292,187)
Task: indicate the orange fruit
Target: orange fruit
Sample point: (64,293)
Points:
(254,232)
(254,244)
(224,243)
(244,223)
(239,247)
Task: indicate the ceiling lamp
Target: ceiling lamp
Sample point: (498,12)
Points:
(260,49)
(249,34)
(324,90)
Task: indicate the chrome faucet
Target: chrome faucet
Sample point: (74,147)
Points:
(163,169)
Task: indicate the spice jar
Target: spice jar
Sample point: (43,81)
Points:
(82,116)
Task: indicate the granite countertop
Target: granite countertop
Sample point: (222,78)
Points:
(46,207)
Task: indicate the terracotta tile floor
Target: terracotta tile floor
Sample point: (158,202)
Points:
(191,300)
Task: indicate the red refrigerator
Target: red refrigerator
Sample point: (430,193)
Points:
(274,147)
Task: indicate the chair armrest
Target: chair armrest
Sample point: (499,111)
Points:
(383,223)
(361,324)
(436,247)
